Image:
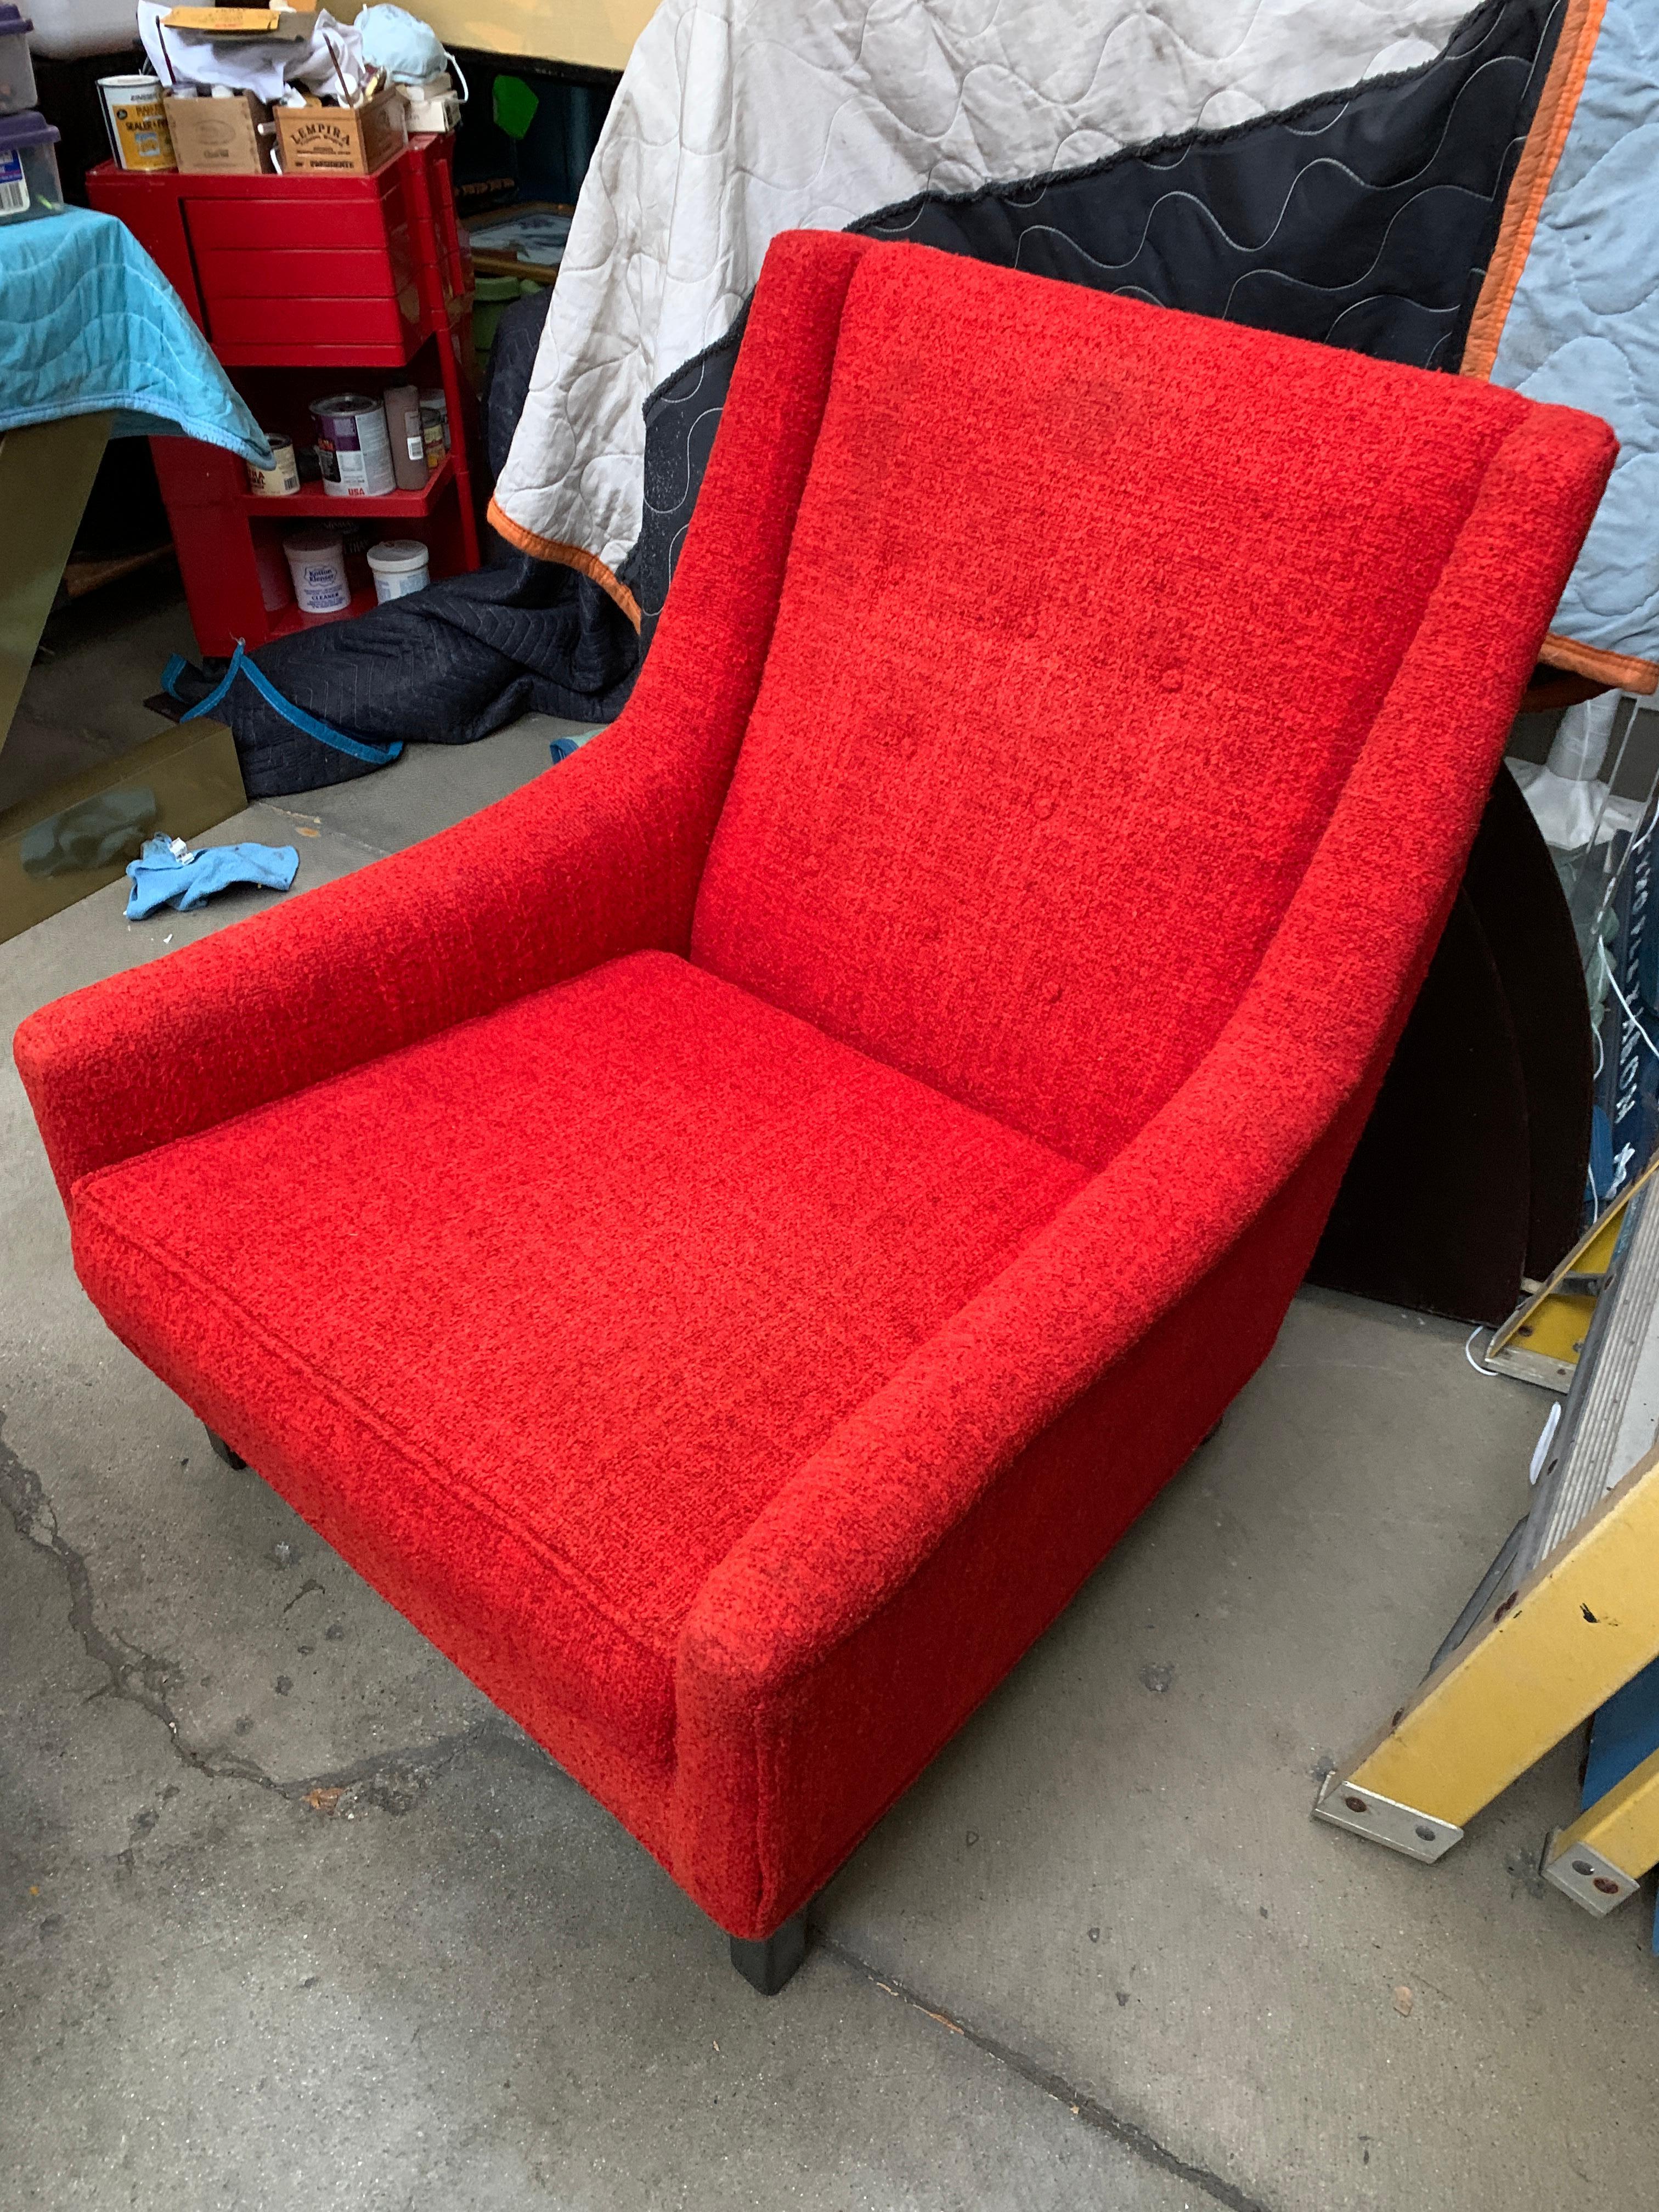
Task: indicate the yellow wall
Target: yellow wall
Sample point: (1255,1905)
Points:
(599,33)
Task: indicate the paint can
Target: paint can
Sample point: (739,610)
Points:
(279,477)
(353,447)
(431,435)
(432,395)
(136,122)
(316,562)
(402,422)
(400,566)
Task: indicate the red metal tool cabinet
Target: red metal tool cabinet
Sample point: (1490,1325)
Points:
(305,286)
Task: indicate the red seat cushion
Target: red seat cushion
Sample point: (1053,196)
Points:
(1089,609)
(557,1299)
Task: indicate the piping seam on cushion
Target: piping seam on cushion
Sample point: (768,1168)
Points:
(1551,120)
(569,556)
(346,1401)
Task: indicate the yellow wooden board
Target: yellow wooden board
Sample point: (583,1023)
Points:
(593,34)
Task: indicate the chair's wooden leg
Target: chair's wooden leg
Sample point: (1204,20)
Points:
(768,1965)
(223,1450)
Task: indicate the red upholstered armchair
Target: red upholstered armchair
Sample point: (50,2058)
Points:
(763,1208)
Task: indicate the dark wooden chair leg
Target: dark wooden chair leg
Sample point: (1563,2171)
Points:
(223,1450)
(768,1965)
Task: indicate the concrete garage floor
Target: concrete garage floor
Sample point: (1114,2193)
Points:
(290,1916)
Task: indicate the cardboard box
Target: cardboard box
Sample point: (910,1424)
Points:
(242,23)
(343,142)
(296,20)
(221,138)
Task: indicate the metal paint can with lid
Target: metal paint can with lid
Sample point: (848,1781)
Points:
(352,445)
(432,395)
(136,122)
(278,477)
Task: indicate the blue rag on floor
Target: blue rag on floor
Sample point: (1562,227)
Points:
(166,873)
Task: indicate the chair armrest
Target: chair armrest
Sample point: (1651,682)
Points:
(784,1638)
(866,1610)
(598,857)
(859,1517)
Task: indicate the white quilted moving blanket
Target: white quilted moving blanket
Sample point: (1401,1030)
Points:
(736,119)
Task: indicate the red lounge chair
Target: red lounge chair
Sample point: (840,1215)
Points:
(727,1239)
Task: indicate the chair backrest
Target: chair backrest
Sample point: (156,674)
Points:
(1088,610)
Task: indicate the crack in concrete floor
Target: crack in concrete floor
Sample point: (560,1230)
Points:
(395,1781)
(1082,2106)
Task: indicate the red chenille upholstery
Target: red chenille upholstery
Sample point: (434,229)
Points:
(765,1206)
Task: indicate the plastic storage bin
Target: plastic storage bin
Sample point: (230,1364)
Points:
(28,168)
(64,30)
(16,68)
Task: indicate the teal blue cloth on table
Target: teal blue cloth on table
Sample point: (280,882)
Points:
(89,325)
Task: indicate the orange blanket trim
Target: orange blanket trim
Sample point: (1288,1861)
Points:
(1557,105)
(1621,670)
(572,557)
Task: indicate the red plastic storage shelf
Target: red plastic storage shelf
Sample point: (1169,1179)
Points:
(313,500)
(304,287)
